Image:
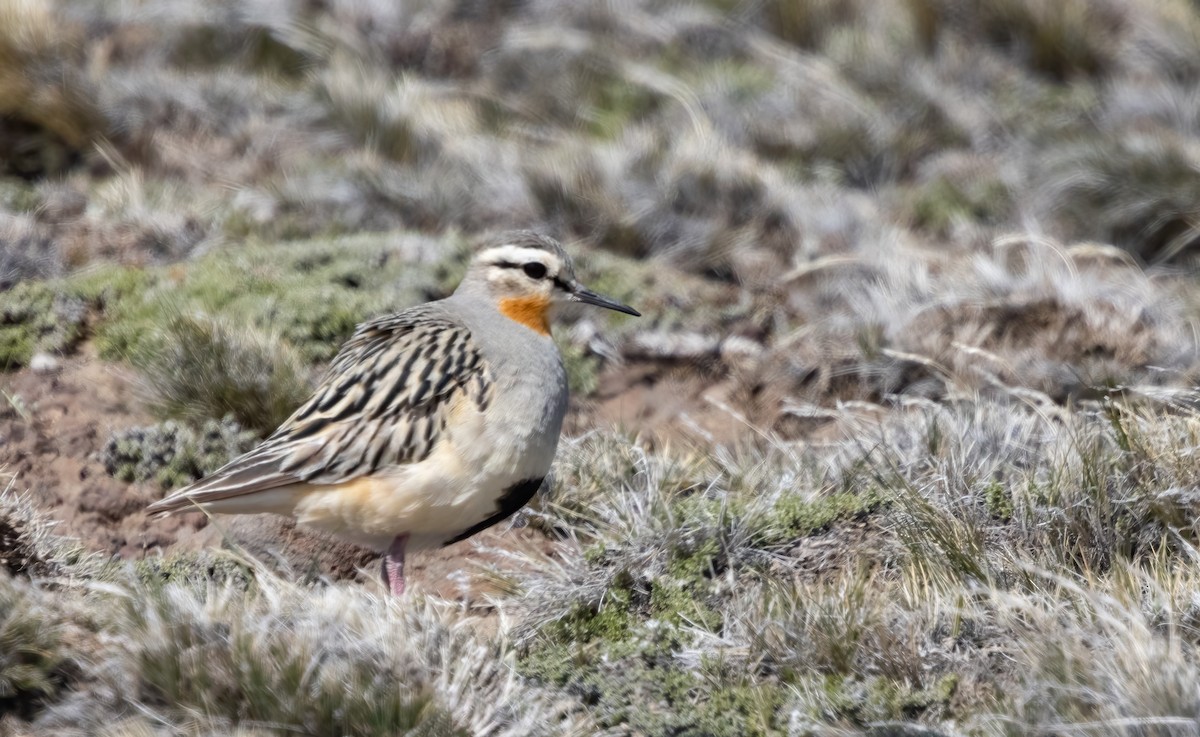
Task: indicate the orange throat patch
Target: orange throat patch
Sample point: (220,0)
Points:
(532,312)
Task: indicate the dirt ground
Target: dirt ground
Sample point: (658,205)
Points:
(50,442)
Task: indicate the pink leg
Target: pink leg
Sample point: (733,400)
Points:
(393,565)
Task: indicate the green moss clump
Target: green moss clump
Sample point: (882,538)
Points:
(694,560)
(173,454)
(616,102)
(195,571)
(610,620)
(583,368)
(51,316)
(16,346)
(620,658)
(18,195)
(999,501)
(866,700)
(312,294)
(795,516)
(104,286)
(941,203)
(638,685)
(677,603)
(34,317)
(622,278)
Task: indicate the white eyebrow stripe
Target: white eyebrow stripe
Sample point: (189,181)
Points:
(519,255)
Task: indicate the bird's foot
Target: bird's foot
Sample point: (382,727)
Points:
(393,565)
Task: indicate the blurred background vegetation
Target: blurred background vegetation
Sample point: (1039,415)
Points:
(747,145)
(156,156)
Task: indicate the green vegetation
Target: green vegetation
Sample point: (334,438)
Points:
(199,368)
(52,316)
(942,203)
(33,318)
(311,295)
(172,454)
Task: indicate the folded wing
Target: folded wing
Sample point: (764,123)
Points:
(384,402)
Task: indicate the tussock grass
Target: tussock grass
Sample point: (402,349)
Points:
(977,553)
(276,656)
(1059,39)
(50,110)
(29,546)
(402,119)
(1138,192)
(202,368)
(304,659)
(33,662)
(26,250)
(972,567)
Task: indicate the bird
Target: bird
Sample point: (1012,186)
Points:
(431,424)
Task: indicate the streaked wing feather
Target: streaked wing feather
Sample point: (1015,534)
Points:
(384,402)
(256,471)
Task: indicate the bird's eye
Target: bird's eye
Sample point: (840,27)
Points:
(534,270)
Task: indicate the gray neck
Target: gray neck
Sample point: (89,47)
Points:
(489,328)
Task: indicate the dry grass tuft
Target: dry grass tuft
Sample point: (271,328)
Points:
(28,545)
(202,368)
(83,646)
(982,550)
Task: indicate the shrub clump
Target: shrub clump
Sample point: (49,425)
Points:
(28,545)
(173,454)
(33,317)
(33,665)
(201,368)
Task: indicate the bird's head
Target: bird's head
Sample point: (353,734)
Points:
(527,276)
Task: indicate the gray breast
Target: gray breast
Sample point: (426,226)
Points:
(526,368)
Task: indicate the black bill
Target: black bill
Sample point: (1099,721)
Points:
(589,297)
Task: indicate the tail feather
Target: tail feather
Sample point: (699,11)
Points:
(249,484)
(280,500)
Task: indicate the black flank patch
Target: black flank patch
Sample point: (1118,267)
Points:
(513,499)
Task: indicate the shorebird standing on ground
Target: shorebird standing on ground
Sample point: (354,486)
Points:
(431,425)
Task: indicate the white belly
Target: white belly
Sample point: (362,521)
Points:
(458,486)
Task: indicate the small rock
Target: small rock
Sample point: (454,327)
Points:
(738,346)
(44,363)
(671,346)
